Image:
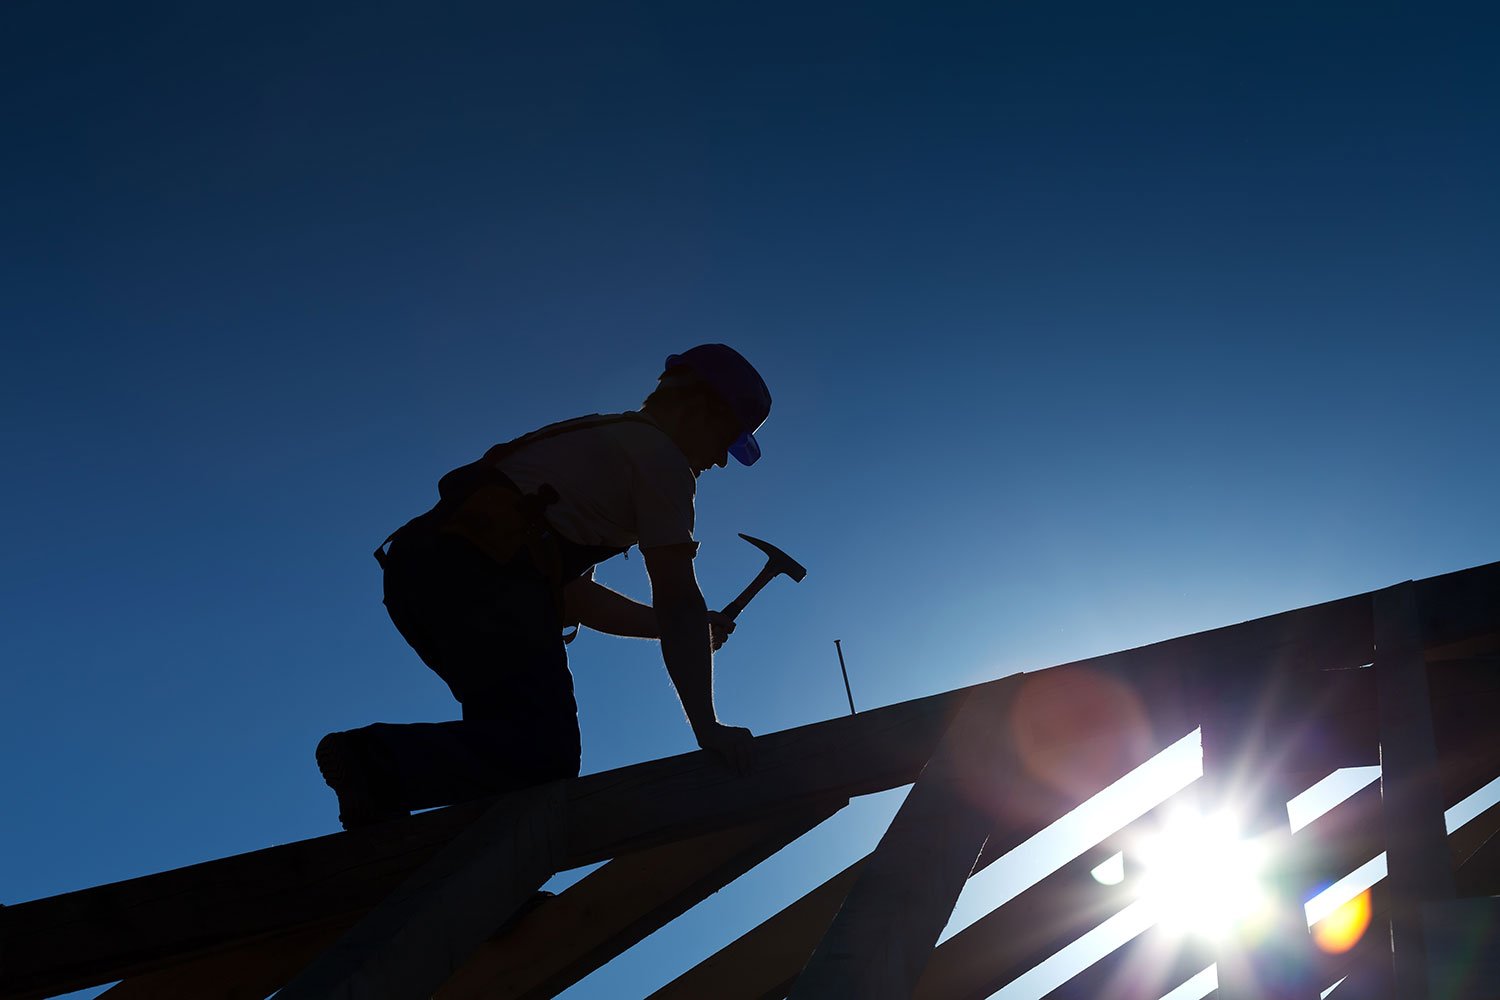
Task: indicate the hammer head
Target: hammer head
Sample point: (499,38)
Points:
(779,561)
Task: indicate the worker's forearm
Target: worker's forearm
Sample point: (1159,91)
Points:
(685,651)
(595,606)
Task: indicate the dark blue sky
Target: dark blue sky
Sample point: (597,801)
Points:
(1088,324)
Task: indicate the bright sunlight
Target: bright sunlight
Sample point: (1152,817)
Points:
(1200,877)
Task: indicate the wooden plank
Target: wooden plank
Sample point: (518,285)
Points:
(131,928)
(409,945)
(1456,608)
(763,963)
(1015,937)
(1419,870)
(565,939)
(115,931)
(261,967)
(1148,966)
(987,955)
(1480,869)
(250,972)
(883,935)
(127,929)
(1367,967)
(1463,948)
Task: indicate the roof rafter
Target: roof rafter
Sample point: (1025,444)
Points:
(291,892)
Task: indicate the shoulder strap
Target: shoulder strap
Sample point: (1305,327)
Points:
(506,448)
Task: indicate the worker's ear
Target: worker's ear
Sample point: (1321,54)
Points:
(702,406)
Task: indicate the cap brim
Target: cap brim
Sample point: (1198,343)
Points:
(746,450)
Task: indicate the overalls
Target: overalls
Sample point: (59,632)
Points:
(482,607)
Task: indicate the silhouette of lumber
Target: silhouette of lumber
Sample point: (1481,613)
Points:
(1418,866)
(1307,657)
(564,939)
(1159,961)
(248,972)
(1014,938)
(411,943)
(881,938)
(1017,936)
(1480,871)
(551,946)
(766,960)
(1150,965)
(1050,915)
(117,931)
(1463,948)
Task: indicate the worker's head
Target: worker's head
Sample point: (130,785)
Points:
(714,401)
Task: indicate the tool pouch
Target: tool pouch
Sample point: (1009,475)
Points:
(499,521)
(504,523)
(482,506)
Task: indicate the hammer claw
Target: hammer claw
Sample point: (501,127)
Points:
(777,562)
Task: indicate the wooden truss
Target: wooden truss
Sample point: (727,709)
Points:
(442,904)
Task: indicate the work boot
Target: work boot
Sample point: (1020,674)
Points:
(352,769)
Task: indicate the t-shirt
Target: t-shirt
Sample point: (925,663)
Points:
(620,484)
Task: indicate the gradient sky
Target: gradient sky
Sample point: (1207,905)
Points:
(1088,325)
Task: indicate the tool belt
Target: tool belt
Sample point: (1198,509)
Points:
(479,503)
(482,506)
(488,511)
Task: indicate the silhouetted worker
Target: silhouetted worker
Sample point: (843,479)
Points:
(483,585)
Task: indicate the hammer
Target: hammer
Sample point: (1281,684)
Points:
(777,561)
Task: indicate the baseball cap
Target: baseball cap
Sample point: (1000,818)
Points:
(737,382)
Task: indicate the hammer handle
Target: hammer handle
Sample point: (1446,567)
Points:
(733,608)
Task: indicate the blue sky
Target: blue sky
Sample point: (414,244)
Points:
(1087,325)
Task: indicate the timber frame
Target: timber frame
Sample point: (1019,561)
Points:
(442,903)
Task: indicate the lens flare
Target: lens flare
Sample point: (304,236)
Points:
(1200,877)
(1342,929)
(1076,729)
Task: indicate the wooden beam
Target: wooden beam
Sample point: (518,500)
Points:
(1419,870)
(883,935)
(250,972)
(1014,938)
(1366,969)
(125,929)
(1148,966)
(1479,870)
(1463,948)
(410,944)
(567,923)
(565,939)
(130,928)
(764,962)
(986,956)
(1010,940)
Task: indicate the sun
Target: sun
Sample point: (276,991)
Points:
(1199,876)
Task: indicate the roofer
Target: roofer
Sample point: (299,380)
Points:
(483,585)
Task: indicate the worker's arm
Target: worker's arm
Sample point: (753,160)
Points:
(683,620)
(595,606)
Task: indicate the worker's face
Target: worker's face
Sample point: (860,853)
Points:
(711,432)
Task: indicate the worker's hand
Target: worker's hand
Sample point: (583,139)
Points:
(719,630)
(732,743)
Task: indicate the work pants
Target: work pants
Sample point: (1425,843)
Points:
(492,633)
